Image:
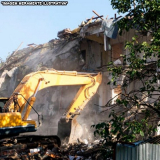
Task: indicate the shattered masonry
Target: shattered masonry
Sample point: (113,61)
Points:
(87,48)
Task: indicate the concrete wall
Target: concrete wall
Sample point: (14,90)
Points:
(52,102)
(86,55)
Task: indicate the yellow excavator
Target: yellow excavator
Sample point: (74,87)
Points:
(13,123)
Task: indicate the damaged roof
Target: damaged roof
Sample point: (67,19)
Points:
(94,29)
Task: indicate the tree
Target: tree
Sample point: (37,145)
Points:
(136,111)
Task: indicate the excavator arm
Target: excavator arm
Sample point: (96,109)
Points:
(26,91)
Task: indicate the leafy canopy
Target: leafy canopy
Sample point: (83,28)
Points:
(136,109)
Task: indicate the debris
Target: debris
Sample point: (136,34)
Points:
(31,45)
(97,14)
(25,148)
(117,62)
(110,28)
(64,33)
(89,21)
(85,141)
(17,49)
(95,17)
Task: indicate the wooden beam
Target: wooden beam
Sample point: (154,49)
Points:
(95,17)
(97,14)
(90,20)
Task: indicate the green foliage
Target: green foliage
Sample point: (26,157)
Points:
(137,110)
(120,129)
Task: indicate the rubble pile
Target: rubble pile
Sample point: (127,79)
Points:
(49,150)
(85,151)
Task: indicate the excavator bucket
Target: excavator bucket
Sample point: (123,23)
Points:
(64,129)
(69,131)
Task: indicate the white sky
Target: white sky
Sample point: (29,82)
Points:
(40,24)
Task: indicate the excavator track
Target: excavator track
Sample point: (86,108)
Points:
(15,146)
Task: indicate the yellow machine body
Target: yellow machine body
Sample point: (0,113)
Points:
(12,122)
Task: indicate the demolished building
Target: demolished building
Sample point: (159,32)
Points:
(87,48)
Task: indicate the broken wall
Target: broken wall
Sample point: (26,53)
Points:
(51,102)
(85,54)
(96,57)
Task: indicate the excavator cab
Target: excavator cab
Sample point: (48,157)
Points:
(11,123)
(3,101)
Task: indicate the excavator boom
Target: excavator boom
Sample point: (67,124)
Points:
(13,123)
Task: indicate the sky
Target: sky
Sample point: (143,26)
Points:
(40,24)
